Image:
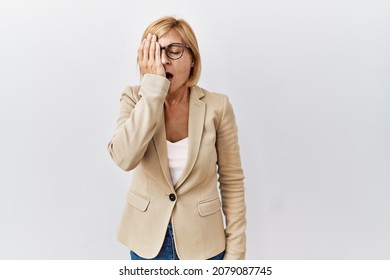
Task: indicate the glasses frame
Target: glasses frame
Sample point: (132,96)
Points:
(178,45)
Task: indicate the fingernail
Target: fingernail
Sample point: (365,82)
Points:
(149,35)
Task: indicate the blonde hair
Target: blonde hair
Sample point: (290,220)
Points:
(162,25)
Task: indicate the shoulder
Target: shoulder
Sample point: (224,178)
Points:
(212,95)
(212,98)
(216,101)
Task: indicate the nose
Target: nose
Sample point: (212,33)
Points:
(164,58)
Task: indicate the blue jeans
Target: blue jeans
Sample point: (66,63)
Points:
(168,251)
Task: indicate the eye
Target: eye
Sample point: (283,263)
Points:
(174,49)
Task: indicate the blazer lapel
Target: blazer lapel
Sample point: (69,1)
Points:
(160,142)
(195,130)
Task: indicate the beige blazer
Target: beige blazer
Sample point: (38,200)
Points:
(194,204)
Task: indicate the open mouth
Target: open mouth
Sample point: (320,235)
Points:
(168,75)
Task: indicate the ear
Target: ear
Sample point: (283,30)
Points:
(192,63)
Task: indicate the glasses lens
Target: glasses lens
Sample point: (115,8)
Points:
(175,51)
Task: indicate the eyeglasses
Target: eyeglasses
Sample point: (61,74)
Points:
(175,50)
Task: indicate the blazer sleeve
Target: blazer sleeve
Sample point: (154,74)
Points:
(137,121)
(231,183)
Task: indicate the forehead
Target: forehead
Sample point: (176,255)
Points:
(172,36)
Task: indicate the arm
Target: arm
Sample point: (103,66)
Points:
(138,116)
(231,183)
(137,121)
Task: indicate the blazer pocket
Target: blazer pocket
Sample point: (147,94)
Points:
(209,206)
(138,201)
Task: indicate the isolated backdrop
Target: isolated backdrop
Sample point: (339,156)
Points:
(310,85)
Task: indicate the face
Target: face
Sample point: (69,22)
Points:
(177,71)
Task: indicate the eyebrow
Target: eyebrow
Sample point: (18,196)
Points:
(183,45)
(172,44)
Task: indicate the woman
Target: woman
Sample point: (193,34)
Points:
(178,139)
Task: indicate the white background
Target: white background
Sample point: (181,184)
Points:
(309,82)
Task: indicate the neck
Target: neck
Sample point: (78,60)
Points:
(179,96)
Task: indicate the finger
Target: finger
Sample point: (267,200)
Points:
(140,50)
(160,67)
(152,49)
(157,53)
(146,48)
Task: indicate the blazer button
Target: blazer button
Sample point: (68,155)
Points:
(172,197)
